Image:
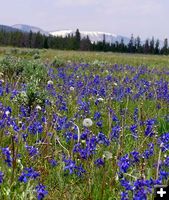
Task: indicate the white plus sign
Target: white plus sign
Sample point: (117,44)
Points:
(161,192)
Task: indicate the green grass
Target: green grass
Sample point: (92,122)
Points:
(30,66)
(108,57)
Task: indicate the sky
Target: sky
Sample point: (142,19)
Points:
(145,18)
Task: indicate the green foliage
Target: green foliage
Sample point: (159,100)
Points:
(35,95)
(13,67)
(34,70)
(58,62)
(36,56)
(32,96)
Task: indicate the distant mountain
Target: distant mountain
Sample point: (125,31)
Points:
(8,28)
(93,36)
(28,28)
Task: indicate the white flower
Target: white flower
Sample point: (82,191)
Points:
(117,177)
(38,107)
(72,88)
(87,122)
(50,82)
(107,155)
(2,80)
(115,83)
(7,112)
(100,99)
(1,74)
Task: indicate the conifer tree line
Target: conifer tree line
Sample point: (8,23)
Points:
(76,42)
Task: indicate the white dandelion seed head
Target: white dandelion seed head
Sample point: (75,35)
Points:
(100,99)
(87,122)
(18,161)
(83,141)
(38,107)
(72,88)
(50,82)
(108,155)
(2,80)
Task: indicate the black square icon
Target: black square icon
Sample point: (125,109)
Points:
(161,192)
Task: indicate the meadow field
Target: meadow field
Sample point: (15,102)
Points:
(82,125)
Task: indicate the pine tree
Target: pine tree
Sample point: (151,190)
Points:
(46,46)
(152,43)
(85,44)
(131,47)
(157,44)
(77,40)
(122,46)
(146,47)
(138,45)
(165,50)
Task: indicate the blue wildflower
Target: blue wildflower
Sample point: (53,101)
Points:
(135,157)
(149,127)
(1,177)
(99,124)
(28,173)
(97,115)
(70,166)
(102,139)
(124,163)
(99,162)
(163,141)
(133,129)
(126,184)
(35,127)
(124,196)
(148,152)
(41,192)
(164,174)
(32,150)
(7,153)
(53,162)
(115,132)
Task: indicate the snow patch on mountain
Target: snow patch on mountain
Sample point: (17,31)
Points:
(93,36)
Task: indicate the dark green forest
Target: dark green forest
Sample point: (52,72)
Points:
(76,42)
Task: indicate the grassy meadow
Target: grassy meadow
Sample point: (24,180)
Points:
(82,125)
